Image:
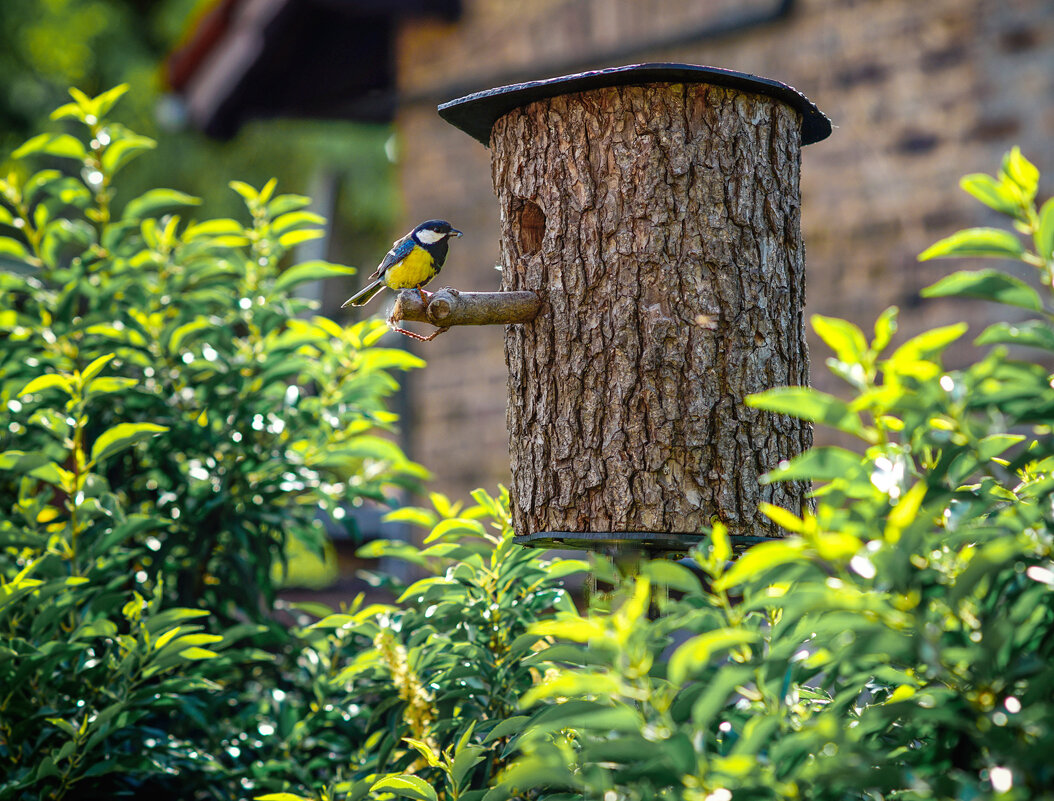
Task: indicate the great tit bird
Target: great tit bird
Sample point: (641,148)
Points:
(412,262)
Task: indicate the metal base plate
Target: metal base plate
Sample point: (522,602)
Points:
(658,542)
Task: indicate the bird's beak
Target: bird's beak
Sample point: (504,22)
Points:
(455,232)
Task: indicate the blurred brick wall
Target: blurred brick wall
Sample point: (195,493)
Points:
(920,94)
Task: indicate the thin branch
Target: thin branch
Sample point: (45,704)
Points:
(449,307)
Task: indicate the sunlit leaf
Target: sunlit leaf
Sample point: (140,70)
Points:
(841,336)
(156,200)
(885,328)
(1022,172)
(47,381)
(987,285)
(406,786)
(699,650)
(1032,333)
(974,242)
(121,436)
(818,464)
(756,560)
(124,149)
(101,104)
(1044,236)
(927,344)
(991,192)
(810,404)
(49,144)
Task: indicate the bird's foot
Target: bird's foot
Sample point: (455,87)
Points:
(423,295)
(394,326)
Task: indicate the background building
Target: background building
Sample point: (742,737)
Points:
(919,93)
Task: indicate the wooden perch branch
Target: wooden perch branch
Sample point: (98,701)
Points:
(449,307)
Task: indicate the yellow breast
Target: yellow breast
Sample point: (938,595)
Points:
(415,270)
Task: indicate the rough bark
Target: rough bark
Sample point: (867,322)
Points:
(661,225)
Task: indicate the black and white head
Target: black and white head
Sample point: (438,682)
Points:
(434,231)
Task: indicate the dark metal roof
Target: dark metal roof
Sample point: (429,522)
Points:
(476,114)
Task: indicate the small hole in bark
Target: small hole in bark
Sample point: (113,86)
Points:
(530,221)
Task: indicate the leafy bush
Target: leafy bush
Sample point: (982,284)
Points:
(901,643)
(171,420)
(428,687)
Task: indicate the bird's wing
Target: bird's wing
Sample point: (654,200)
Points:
(400,250)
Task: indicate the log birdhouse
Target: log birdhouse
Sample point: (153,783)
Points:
(655,211)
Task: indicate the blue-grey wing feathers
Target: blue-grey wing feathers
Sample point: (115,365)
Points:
(400,250)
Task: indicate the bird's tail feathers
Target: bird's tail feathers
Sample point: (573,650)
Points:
(364,295)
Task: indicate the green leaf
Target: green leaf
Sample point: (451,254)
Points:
(220,226)
(810,404)
(991,192)
(153,201)
(198,653)
(576,629)
(1031,333)
(283,204)
(987,285)
(22,462)
(464,760)
(697,652)
(927,344)
(121,436)
(782,517)
(294,238)
(905,512)
(670,574)
(296,219)
(61,145)
(48,381)
(817,464)
(841,336)
(12,247)
(68,110)
(1044,237)
(1022,172)
(175,340)
(268,190)
(885,328)
(425,750)
(282,797)
(93,369)
(245,190)
(123,150)
(102,104)
(309,271)
(423,518)
(508,726)
(721,543)
(110,384)
(758,559)
(566,567)
(406,786)
(987,242)
(994,444)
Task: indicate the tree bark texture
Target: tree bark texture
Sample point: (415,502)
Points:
(660,224)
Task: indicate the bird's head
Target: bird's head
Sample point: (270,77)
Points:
(433,231)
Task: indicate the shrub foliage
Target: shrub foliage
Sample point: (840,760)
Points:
(901,643)
(171,419)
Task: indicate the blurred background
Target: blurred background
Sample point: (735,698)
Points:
(337,98)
